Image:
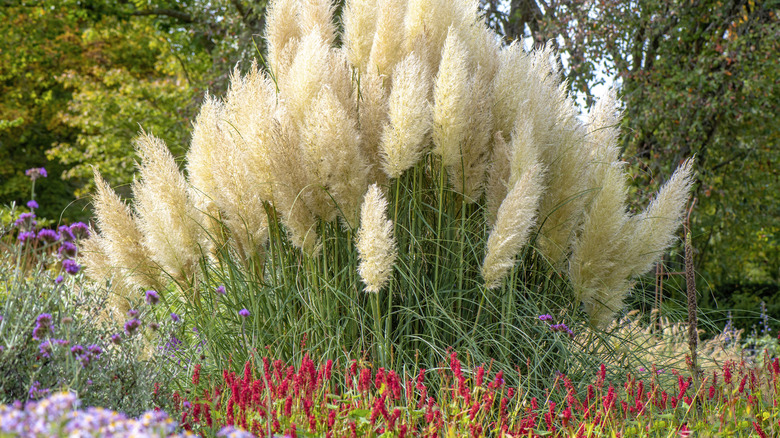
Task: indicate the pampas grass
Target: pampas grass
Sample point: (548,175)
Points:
(490,202)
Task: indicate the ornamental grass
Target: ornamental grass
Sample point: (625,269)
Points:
(411,155)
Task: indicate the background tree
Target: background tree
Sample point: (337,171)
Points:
(697,78)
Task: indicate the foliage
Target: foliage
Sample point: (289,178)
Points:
(55,332)
(696,78)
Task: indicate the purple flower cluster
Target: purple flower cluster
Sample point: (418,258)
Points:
(36,172)
(32,205)
(243,313)
(43,326)
(26,221)
(555,327)
(46,347)
(152,297)
(58,415)
(132,325)
(70,266)
(86,355)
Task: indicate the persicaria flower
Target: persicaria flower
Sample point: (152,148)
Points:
(243,312)
(48,235)
(132,325)
(32,204)
(36,172)
(152,297)
(70,266)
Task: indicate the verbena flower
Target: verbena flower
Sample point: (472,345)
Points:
(48,235)
(36,172)
(67,250)
(32,204)
(70,266)
(59,279)
(65,233)
(26,221)
(220,290)
(545,318)
(243,312)
(43,326)
(132,313)
(152,297)
(79,230)
(132,325)
(116,338)
(26,236)
(175,317)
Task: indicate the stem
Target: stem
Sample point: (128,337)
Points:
(378,330)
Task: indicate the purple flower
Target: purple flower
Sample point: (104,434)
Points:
(243,312)
(77,350)
(67,250)
(32,204)
(45,349)
(48,235)
(116,339)
(59,279)
(26,235)
(132,325)
(132,313)
(70,266)
(561,328)
(545,318)
(154,326)
(65,233)
(152,297)
(95,351)
(79,230)
(36,172)
(43,325)
(175,317)
(220,290)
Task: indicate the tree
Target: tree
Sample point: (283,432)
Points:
(697,78)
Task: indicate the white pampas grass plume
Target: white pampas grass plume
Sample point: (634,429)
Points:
(451,99)
(331,150)
(121,238)
(498,178)
(168,218)
(375,243)
(655,228)
(372,116)
(403,139)
(387,46)
(360,18)
(317,16)
(282,34)
(515,219)
(308,73)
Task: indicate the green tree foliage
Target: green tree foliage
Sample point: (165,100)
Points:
(78,80)
(697,78)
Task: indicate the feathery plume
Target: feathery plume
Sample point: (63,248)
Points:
(121,238)
(317,17)
(372,117)
(93,255)
(654,229)
(514,221)
(360,18)
(375,243)
(403,139)
(308,73)
(451,98)
(292,184)
(282,34)
(331,150)
(387,46)
(167,216)
(497,184)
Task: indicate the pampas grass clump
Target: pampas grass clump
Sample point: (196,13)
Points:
(490,176)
